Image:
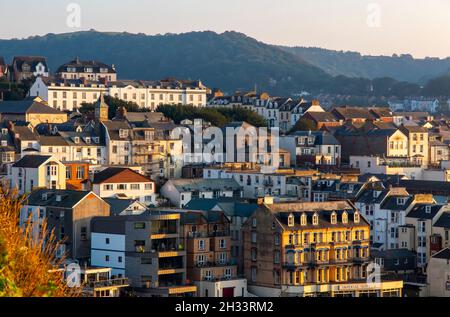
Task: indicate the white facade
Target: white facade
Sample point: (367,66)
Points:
(144,192)
(67,96)
(216,288)
(51,174)
(108,250)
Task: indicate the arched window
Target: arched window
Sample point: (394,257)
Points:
(356,217)
(303,219)
(345,217)
(333,218)
(315,219)
(291,220)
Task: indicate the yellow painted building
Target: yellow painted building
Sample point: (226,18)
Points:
(311,249)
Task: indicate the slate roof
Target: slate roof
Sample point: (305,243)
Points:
(69,198)
(368,197)
(443,221)
(392,254)
(80,65)
(443,254)
(320,137)
(28,105)
(231,206)
(321,116)
(419,211)
(31,60)
(185,185)
(31,161)
(390,203)
(118,205)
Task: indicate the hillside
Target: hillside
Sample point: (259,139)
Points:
(229,60)
(352,64)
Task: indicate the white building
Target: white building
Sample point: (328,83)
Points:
(124,183)
(37,171)
(180,191)
(67,94)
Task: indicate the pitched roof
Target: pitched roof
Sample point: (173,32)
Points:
(185,185)
(79,65)
(443,254)
(32,60)
(31,161)
(28,105)
(118,205)
(119,175)
(67,198)
(391,202)
(420,211)
(443,221)
(321,116)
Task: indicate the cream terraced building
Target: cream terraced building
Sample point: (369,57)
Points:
(69,94)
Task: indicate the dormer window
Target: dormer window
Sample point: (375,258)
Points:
(291,220)
(77,139)
(356,217)
(303,220)
(4,131)
(4,143)
(345,217)
(123,133)
(333,218)
(88,140)
(96,139)
(315,219)
(428,209)
(401,201)
(376,194)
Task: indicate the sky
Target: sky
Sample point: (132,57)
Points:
(374,27)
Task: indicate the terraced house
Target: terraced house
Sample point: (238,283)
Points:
(310,249)
(209,263)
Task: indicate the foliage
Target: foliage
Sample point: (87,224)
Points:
(27,256)
(114,104)
(304,125)
(219,117)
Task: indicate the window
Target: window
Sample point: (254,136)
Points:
(254,222)
(222,243)
(108,187)
(356,217)
(201,245)
(276,239)
(139,225)
(106,258)
(333,218)
(315,219)
(253,274)
(68,173)
(80,172)
(135,186)
(303,219)
(291,220)
(276,257)
(122,186)
(254,237)
(107,241)
(344,217)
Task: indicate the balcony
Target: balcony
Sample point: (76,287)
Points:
(223,233)
(117,282)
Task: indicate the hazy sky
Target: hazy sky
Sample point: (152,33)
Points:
(419,27)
